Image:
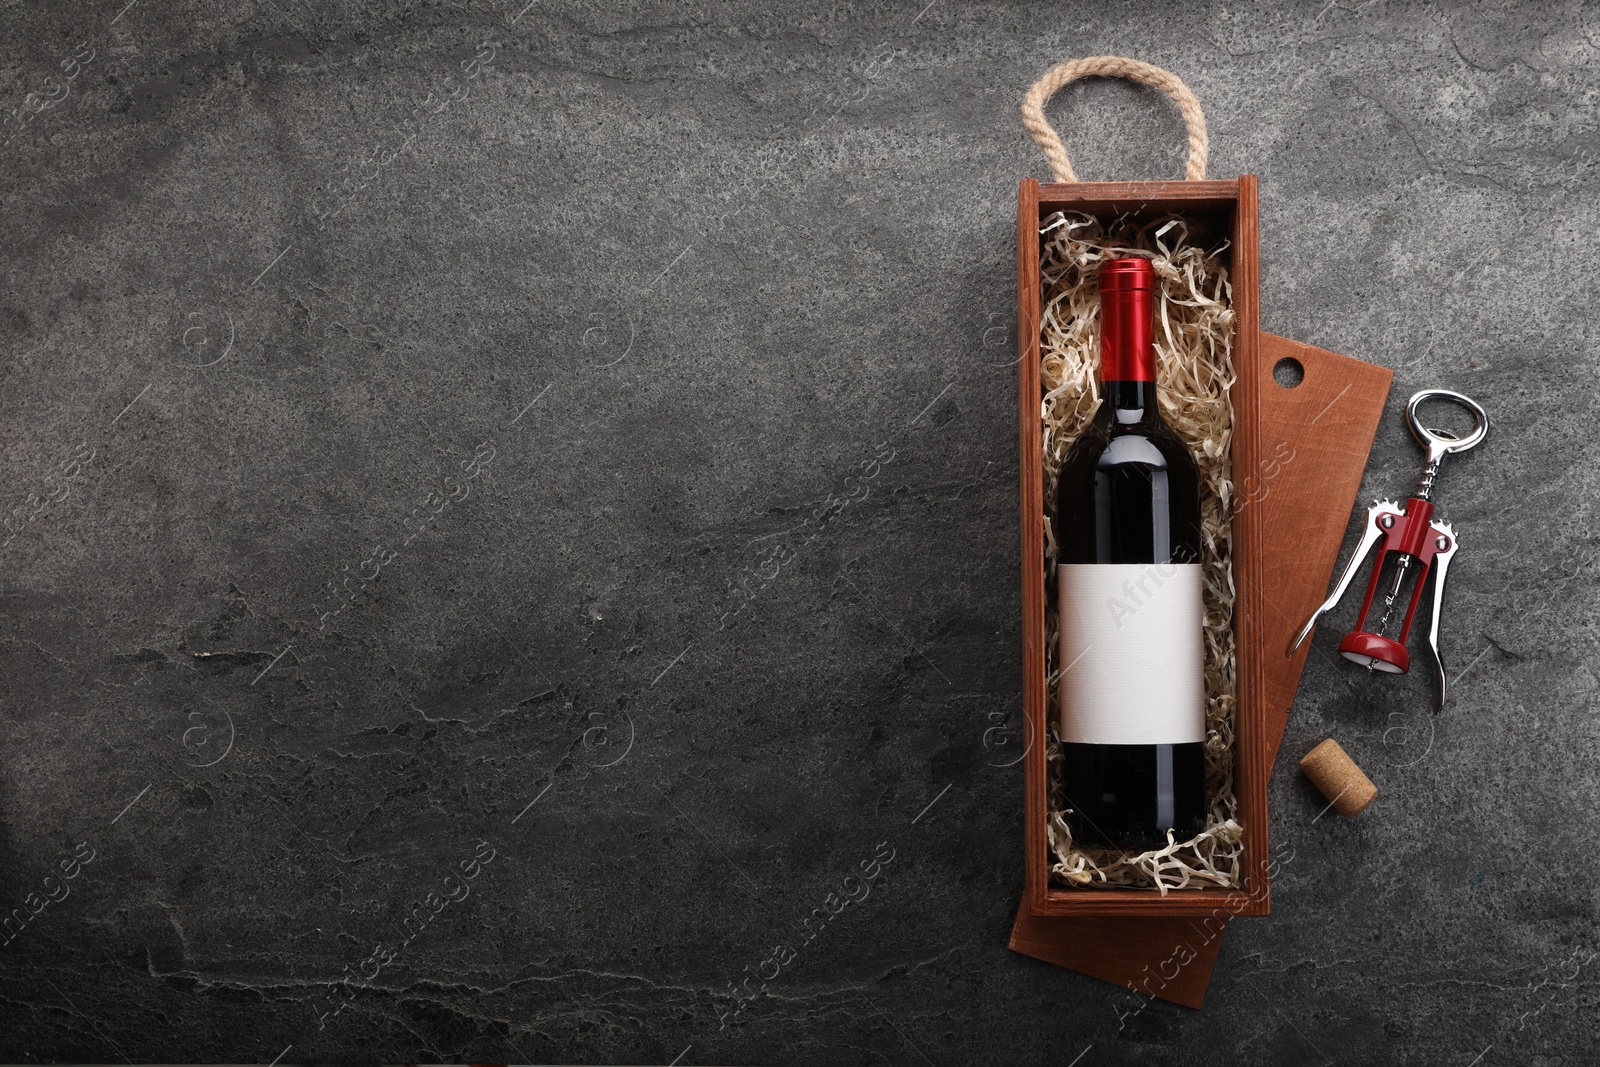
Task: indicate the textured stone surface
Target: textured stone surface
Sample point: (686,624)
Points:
(687,645)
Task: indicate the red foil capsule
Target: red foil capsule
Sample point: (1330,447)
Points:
(1127,302)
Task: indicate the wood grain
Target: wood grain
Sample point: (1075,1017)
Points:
(1252,749)
(1286,535)
(1327,423)
(1166,957)
(1036,869)
(1230,207)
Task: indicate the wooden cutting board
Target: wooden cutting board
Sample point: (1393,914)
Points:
(1317,436)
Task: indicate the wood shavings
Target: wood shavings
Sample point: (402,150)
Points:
(1194,371)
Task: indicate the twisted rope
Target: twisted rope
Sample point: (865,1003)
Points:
(1112,67)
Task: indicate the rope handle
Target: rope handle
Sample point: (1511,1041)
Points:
(1112,67)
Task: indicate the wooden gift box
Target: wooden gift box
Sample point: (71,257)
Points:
(1228,207)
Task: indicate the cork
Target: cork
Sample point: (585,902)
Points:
(1333,772)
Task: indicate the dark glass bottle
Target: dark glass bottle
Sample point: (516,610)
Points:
(1132,708)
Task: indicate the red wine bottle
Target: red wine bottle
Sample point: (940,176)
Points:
(1132,655)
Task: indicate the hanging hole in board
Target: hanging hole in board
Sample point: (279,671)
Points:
(1288,372)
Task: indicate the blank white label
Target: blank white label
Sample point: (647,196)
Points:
(1132,653)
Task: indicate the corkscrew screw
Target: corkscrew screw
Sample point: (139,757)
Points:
(1413,546)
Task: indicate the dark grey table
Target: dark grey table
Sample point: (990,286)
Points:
(513,516)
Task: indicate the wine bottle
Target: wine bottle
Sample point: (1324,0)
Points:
(1132,653)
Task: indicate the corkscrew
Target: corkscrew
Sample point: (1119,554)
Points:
(1414,545)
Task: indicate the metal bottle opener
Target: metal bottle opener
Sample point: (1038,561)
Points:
(1414,545)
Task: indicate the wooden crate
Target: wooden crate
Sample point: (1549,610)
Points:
(1230,206)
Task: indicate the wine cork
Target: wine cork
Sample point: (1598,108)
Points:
(1333,772)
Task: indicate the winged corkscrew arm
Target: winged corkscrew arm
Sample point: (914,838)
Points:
(1441,564)
(1359,556)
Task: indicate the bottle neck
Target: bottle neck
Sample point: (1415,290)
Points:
(1130,402)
